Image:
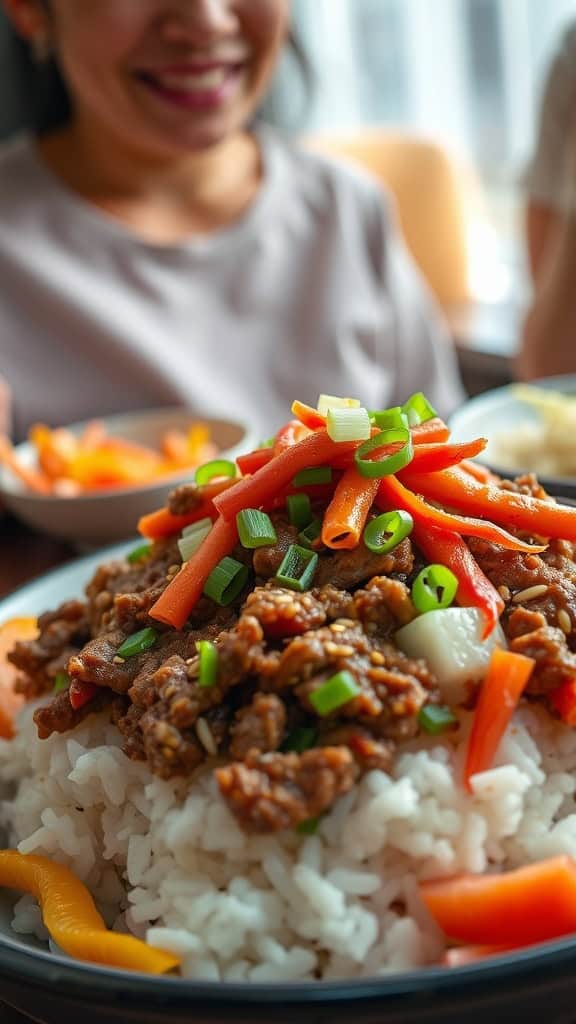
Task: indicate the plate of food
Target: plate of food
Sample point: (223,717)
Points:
(91,481)
(530,428)
(307,749)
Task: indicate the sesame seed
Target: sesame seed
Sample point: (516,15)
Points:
(337,627)
(174,569)
(530,594)
(377,658)
(504,593)
(205,736)
(117,660)
(564,621)
(532,562)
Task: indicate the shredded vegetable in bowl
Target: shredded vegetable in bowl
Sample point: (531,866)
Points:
(68,464)
(319,724)
(545,446)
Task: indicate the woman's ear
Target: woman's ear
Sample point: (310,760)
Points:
(29,18)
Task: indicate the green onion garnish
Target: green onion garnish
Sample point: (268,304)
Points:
(316,475)
(200,524)
(226,581)
(300,739)
(387,531)
(434,588)
(297,569)
(208,654)
(308,828)
(255,529)
(434,719)
(327,402)
(61,682)
(418,409)
(311,534)
(139,553)
(386,419)
(377,468)
(138,643)
(219,467)
(299,510)
(335,693)
(191,540)
(348,424)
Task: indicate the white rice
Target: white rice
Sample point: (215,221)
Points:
(168,862)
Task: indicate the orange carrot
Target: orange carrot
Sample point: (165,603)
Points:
(34,480)
(507,676)
(430,432)
(175,604)
(346,515)
(431,458)
(288,435)
(459,490)
(162,523)
(316,449)
(11,633)
(518,908)
(252,461)
(394,495)
(474,588)
(479,472)
(308,416)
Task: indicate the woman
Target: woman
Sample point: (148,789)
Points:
(156,247)
(548,344)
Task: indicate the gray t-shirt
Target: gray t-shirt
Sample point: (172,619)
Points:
(311,290)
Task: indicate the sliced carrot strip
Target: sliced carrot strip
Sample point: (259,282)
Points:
(310,417)
(34,480)
(507,676)
(162,523)
(517,908)
(290,434)
(11,633)
(431,458)
(346,515)
(71,918)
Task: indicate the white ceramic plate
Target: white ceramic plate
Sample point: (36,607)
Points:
(495,412)
(108,516)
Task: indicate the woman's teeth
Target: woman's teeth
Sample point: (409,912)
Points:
(197,82)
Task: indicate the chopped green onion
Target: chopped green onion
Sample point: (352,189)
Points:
(348,424)
(139,553)
(386,419)
(299,510)
(434,588)
(387,531)
(255,529)
(61,682)
(434,719)
(138,643)
(226,581)
(315,475)
(335,693)
(418,409)
(219,467)
(308,828)
(268,443)
(327,402)
(200,524)
(189,543)
(297,569)
(311,534)
(208,654)
(377,468)
(300,739)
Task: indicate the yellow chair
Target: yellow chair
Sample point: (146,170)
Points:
(432,194)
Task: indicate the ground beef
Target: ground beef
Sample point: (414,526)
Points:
(121,594)
(185,499)
(530,634)
(369,753)
(384,605)
(345,570)
(267,561)
(270,792)
(61,633)
(60,716)
(283,613)
(338,604)
(260,726)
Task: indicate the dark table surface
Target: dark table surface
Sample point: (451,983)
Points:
(25,554)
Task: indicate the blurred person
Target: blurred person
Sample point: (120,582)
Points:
(549,333)
(159,245)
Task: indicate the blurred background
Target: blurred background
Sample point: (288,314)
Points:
(440,99)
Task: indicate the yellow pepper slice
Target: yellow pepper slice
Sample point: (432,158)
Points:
(72,919)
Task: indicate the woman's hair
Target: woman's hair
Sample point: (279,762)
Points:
(45,99)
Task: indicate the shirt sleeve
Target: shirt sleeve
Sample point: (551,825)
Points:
(424,352)
(548,178)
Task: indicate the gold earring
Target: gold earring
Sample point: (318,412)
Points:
(41,48)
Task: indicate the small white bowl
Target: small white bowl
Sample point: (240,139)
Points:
(494,413)
(104,517)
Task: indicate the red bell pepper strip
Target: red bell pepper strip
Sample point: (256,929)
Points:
(563,700)
(81,693)
(253,461)
(504,683)
(317,449)
(290,434)
(479,472)
(517,908)
(431,458)
(475,590)
(393,495)
(459,490)
(182,593)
